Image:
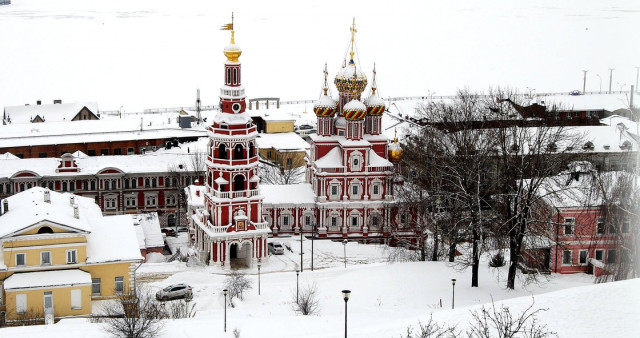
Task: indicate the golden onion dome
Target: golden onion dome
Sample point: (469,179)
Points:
(350,79)
(354,110)
(232,51)
(395,152)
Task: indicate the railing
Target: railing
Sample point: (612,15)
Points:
(231,92)
(236,194)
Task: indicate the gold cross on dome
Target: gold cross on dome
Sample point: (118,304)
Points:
(353,36)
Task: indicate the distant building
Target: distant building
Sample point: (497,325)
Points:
(59,253)
(56,112)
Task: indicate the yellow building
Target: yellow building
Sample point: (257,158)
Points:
(286,150)
(58,253)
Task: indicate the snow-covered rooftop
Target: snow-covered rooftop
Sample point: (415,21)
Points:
(608,102)
(58,112)
(149,224)
(282,141)
(301,193)
(40,279)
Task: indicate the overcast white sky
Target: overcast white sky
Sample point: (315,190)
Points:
(145,54)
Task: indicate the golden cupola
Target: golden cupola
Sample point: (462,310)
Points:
(350,79)
(395,152)
(231,51)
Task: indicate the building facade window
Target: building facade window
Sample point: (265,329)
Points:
(583,256)
(21,303)
(624,228)
(76,299)
(170,200)
(600,226)
(95,286)
(131,201)
(21,259)
(566,257)
(119,285)
(612,256)
(45,258)
(72,256)
(151,200)
(599,254)
(569,223)
(110,202)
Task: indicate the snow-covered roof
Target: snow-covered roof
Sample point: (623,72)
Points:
(112,239)
(50,112)
(193,200)
(287,194)
(151,162)
(608,102)
(376,160)
(109,129)
(149,224)
(28,208)
(109,238)
(57,278)
(282,141)
(226,118)
(354,105)
(333,159)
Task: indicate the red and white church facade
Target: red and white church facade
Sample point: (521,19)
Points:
(348,192)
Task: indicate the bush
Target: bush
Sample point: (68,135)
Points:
(236,283)
(497,260)
(308,303)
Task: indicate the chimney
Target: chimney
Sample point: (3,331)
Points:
(47,196)
(76,213)
(57,101)
(72,200)
(38,102)
(198,192)
(5,206)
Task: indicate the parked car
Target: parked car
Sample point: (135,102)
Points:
(183,229)
(175,291)
(575,93)
(305,126)
(275,248)
(168,232)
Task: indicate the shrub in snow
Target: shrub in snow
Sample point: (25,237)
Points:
(236,283)
(132,315)
(497,260)
(307,300)
(432,330)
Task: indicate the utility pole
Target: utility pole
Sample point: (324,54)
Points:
(637,73)
(584,81)
(610,78)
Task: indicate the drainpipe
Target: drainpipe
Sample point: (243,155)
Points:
(557,231)
(135,284)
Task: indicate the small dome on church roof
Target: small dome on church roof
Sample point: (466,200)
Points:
(325,106)
(375,105)
(354,110)
(232,52)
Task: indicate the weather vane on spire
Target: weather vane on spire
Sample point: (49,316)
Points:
(353,36)
(326,85)
(373,83)
(229,27)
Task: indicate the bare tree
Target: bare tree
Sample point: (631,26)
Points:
(307,300)
(136,315)
(288,168)
(432,329)
(237,283)
(501,323)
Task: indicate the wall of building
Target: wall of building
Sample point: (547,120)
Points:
(61,302)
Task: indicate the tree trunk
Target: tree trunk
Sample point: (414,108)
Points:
(476,259)
(434,255)
(452,251)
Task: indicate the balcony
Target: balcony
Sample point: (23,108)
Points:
(236,194)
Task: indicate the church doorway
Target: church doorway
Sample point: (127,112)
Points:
(240,255)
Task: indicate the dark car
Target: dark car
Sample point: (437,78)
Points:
(305,126)
(175,291)
(169,232)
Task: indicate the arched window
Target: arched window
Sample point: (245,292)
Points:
(228,76)
(153,182)
(222,151)
(146,183)
(238,183)
(238,152)
(64,186)
(235,76)
(21,186)
(45,230)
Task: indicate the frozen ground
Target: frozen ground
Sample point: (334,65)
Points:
(385,299)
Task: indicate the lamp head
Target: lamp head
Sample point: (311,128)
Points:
(453,281)
(344,242)
(346,294)
(225,291)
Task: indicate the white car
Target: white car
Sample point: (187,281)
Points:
(275,248)
(175,291)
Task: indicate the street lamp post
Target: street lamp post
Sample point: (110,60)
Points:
(610,78)
(259,278)
(600,91)
(313,237)
(297,284)
(344,244)
(453,299)
(345,295)
(584,81)
(225,309)
(301,264)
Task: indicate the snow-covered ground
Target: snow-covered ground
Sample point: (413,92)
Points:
(156,53)
(385,298)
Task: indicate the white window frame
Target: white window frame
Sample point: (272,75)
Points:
(151,200)
(76,299)
(118,285)
(569,221)
(74,253)
(336,186)
(24,259)
(171,200)
(570,252)
(600,221)
(586,257)
(21,303)
(356,161)
(131,201)
(110,202)
(94,282)
(601,252)
(42,263)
